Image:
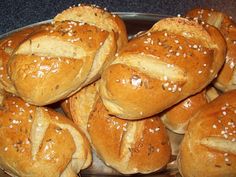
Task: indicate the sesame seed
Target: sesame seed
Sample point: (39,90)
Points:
(214,126)
(165,34)
(6,148)
(199,72)
(176,41)
(151,130)
(224,113)
(177,54)
(149,34)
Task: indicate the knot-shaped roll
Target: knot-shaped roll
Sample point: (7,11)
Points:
(67,55)
(176,58)
(37,141)
(209,145)
(226,78)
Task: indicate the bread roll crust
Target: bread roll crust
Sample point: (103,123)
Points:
(177,117)
(7,47)
(94,15)
(162,67)
(65,48)
(226,78)
(79,106)
(129,146)
(37,141)
(208,147)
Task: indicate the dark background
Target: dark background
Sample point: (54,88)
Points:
(18,13)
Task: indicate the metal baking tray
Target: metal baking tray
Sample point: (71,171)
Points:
(135,23)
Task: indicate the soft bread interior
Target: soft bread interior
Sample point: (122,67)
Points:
(51,46)
(38,130)
(216,19)
(101,57)
(219,144)
(186,28)
(90,15)
(153,67)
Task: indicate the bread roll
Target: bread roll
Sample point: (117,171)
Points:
(79,106)
(7,47)
(177,117)
(64,57)
(173,60)
(209,145)
(37,141)
(226,79)
(129,146)
(94,15)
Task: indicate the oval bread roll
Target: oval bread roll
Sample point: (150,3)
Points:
(226,79)
(177,117)
(37,141)
(209,145)
(64,57)
(7,47)
(129,146)
(176,58)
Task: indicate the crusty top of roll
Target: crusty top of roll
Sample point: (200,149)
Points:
(60,60)
(226,79)
(209,145)
(176,118)
(129,146)
(173,60)
(37,141)
(93,15)
(7,47)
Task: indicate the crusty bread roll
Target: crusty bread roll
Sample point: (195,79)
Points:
(79,106)
(94,15)
(226,79)
(7,47)
(176,58)
(209,145)
(37,141)
(177,117)
(130,147)
(64,57)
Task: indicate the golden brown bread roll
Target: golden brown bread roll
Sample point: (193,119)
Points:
(7,47)
(226,79)
(209,145)
(94,15)
(64,57)
(177,117)
(175,59)
(130,147)
(37,141)
(79,106)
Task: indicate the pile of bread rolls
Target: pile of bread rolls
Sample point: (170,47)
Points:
(124,100)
